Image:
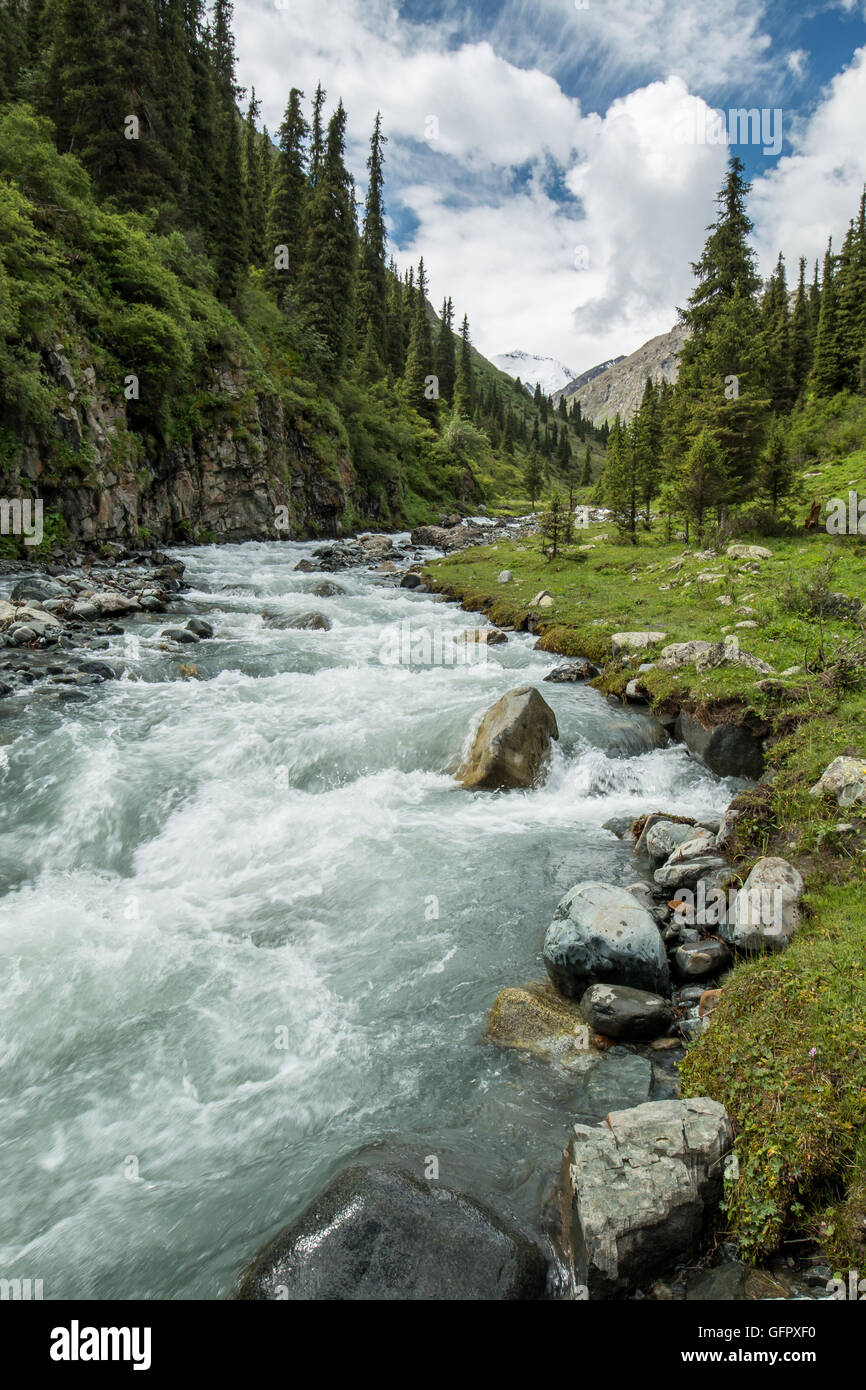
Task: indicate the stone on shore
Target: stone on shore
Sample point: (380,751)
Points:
(511,748)
(602,935)
(379,1234)
(634,641)
(767,907)
(845,780)
(665,836)
(728,750)
(635,1191)
(579,670)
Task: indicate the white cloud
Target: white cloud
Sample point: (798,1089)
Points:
(645,198)
(495,231)
(708,43)
(812,193)
(797,61)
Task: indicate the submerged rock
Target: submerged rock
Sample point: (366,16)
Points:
(383,1234)
(579,670)
(635,1190)
(512,746)
(536,1019)
(603,935)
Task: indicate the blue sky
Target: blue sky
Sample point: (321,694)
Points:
(550,160)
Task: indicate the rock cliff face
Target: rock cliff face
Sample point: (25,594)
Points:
(244,473)
(618,389)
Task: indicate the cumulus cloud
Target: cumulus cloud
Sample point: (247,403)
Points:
(812,193)
(559,229)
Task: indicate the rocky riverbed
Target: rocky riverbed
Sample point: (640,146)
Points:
(332,930)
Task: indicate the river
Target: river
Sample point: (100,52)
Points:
(250,924)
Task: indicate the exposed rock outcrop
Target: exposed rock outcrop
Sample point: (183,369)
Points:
(635,1191)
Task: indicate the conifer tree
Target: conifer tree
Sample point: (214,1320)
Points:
(827,371)
(328,274)
(286,208)
(802,334)
(252,175)
(446,357)
(464,391)
(533,476)
(372,277)
(775,470)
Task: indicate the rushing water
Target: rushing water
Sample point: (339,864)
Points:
(250,925)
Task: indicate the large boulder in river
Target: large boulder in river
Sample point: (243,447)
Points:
(635,1190)
(512,746)
(380,1234)
(616,1011)
(603,935)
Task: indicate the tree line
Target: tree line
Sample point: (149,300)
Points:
(756,359)
(144,93)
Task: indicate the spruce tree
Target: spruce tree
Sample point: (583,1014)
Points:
(286,208)
(446,357)
(372,276)
(802,334)
(418,388)
(252,175)
(464,391)
(328,273)
(775,470)
(827,371)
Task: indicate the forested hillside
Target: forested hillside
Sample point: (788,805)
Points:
(770,380)
(200,327)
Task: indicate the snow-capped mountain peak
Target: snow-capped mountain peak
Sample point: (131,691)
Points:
(533,371)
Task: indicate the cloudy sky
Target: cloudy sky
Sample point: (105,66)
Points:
(555,162)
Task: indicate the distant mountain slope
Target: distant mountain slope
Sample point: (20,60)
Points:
(546,372)
(617,389)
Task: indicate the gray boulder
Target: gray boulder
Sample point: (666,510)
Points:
(39,588)
(685,873)
(617,1011)
(729,750)
(385,1235)
(511,748)
(579,670)
(603,935)
(635,1191)
(199,627)
(767,908)
(665,836)
(696,960)
(845,780)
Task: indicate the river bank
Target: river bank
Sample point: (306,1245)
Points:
(798,1109)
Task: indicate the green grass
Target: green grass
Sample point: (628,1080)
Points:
(800,1119)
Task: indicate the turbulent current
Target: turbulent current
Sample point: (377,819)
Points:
(250,924)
